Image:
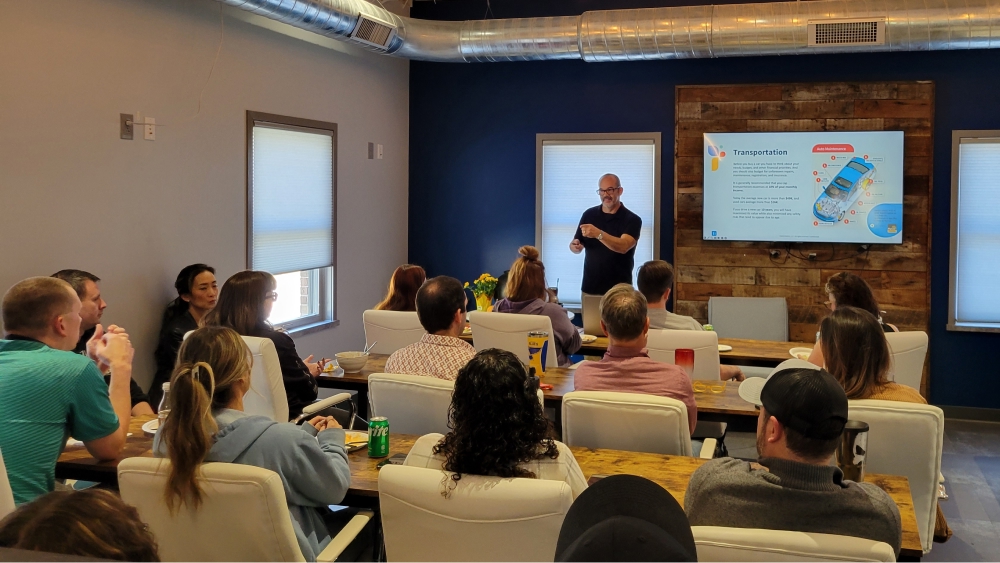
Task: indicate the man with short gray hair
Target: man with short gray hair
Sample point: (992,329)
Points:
(626,367)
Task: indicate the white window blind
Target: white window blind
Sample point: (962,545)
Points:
(292,200)
(570,172)
(976,301)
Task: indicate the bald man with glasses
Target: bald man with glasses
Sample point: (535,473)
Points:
(609,233)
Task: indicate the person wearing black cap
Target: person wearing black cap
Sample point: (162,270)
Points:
(802,416)
(625,518)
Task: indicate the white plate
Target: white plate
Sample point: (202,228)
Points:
(588,338)
(355,437)
(467,331)
(800,353)
(151,426)
(725,348)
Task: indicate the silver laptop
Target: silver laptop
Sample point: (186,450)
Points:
(592,315)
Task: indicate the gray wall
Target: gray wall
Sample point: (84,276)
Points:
(72,195)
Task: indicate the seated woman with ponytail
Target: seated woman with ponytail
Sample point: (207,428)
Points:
(207,424)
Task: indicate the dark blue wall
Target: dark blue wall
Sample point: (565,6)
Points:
(472,151)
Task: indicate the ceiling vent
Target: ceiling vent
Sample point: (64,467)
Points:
(846,32)
(373,32)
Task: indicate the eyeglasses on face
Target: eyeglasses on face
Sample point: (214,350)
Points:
(608,191)
(272,295)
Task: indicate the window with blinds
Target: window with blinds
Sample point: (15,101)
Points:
(568,170)
(975,231)
(291,215)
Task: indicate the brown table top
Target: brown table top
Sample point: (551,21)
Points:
(727,403)
(671,472)
(744,352)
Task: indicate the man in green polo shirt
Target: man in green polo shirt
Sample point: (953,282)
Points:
(48,393)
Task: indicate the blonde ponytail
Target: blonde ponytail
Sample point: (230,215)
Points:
(211,360)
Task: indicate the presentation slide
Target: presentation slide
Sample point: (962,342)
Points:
(804,187)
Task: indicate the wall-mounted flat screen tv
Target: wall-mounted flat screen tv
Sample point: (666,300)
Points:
(804,187)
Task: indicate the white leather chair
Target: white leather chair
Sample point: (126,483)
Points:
(483,519)
(716,543)
(509,331)
(661,345)
(908,352)
(266,396)
(6,494)
(391,330)
(628,421)
(243,515)
(414,404)
(906,439)
(759,318)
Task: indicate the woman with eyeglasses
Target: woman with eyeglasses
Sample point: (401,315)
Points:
(845,289)
(498,428)
(245,303)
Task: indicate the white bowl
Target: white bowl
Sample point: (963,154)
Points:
(352,362)
(801,353)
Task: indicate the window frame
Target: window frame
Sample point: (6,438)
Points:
(956,140)
(326,314)
(613,138)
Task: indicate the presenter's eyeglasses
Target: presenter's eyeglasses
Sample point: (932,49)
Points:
(272,295)
(608,191)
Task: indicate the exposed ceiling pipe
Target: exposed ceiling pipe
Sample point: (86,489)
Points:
(728,30)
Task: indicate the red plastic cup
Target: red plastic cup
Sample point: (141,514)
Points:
(684,357)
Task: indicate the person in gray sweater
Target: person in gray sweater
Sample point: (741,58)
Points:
(793,486)
(207,424)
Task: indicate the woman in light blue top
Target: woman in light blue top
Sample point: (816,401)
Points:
(207,423)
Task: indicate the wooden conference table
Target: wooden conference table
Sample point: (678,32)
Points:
(724,406)
(670,472)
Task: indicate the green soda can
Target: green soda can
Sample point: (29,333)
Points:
(378,436)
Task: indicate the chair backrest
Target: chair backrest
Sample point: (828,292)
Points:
(509,331)
(391,330)
(705,343)
(243,515)
(759,318)
(625,421)
(483,519)
(414,404)
(6,494)
(906,439)
(716,543)
(266,396)
(908,352)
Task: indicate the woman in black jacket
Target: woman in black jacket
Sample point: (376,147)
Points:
(245,303)
(197,293)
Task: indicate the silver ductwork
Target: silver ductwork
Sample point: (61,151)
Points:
(729,30)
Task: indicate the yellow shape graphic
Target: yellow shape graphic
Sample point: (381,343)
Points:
(715,163)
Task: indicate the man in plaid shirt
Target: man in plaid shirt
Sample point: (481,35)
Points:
(440,353)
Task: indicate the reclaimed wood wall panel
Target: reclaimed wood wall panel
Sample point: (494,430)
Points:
(899,274)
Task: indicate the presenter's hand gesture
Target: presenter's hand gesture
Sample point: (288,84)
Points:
(576,246)
(590,231)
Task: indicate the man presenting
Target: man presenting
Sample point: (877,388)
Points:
(608,232)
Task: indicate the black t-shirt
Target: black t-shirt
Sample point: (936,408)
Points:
(603,267)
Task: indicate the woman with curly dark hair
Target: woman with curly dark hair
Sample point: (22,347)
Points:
(498,428)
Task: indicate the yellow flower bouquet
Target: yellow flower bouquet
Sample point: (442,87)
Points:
(483,289)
